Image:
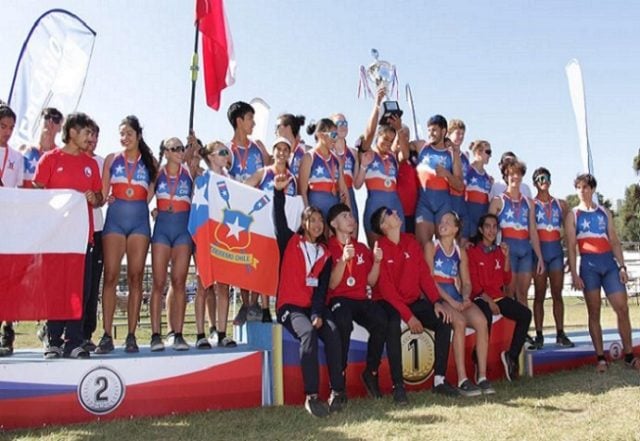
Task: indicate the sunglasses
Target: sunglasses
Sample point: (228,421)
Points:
(542,179)
(221,152)
(55,118)
(333,134)
(488,152)
(178,148)
(342,123)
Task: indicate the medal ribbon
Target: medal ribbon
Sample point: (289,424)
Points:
(349,263)
(172,188)
(243,158)
(330,170)
(132,170)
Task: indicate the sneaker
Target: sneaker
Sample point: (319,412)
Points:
(171,336)
(179,343)
(529,340)
(105,345)
(563,340)
(486,388)
(634,363)
(602,366)
(400,395)
(203,343)
(266,316)
(468,389)
(370,382)
(156,344)
(8,337)
(446,389)
(89,345)
(510,366)
(254,313)
(316,407)
(538,343)
(130,344)
(337,401)
(241,317)
(52,352)
(6,352)
(77,353)
(227,342)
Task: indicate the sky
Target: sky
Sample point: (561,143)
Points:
(498,65)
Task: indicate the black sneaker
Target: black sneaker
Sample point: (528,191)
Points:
(337,401)
(563,340)
(77,353)
(203,343)
(266,316)
(105,345)
(316,407)
(89,345)
(538,343)
(180,344)
(156,343)
(52,352)
(468,389)
(529,340)
(370,382)
(130,344)
(400,395)
(486,388)
(445,389)
(6,352)
(510,366)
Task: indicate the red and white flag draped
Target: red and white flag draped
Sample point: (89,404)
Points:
(42,251)
(217,49)
(232,227)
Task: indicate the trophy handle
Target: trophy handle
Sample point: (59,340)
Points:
(363,84)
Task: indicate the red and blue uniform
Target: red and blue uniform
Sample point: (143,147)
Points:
(548,224)
(381,181)
(478,186)
(129,213)
(173,196)
(296,158)
(349,173)
(446,268)
(514,224)
(598,267)
(245,161)
(434,200)
(458,202)
(323,182)
(267,182)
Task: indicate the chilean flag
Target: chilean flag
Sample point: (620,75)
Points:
(217,49)
(42,252)
(232,227)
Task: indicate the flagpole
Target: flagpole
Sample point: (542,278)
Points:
(194,76)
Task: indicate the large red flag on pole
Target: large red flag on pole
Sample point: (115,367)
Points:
(217,49)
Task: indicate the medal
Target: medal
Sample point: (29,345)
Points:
(351,281)
(129,192)
(170,209)
(549,228)
(130,174)
(387,182)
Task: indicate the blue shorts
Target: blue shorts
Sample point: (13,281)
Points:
(432,205)
(520,255)
(322,200)
(474,213)
(170,229)
(377,199)
(450,288)
(552,255)
(126,218)
(600,270)
(459,205)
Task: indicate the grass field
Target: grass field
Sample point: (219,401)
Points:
(574,405)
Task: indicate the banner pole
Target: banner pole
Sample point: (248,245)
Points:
(194,76)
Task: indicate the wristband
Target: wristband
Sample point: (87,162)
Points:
(622,267)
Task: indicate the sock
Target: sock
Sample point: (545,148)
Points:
(628,358)
(481,379)
(539,334)
(601,358)
(155,334)
(178,334)
(438,380)
(221,335)
(560,332)
(199,336)
(462,381)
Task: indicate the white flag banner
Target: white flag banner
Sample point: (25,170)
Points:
(576,90)
(51,71)
(261,118)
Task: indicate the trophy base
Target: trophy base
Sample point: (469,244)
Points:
(389,108)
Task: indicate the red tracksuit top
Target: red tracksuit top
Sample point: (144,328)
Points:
(487,272)
(404,275)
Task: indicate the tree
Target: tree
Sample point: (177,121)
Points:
(629,215)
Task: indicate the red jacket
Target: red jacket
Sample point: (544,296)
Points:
(404,275)
(487,272)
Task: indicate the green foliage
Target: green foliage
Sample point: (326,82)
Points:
(629,224)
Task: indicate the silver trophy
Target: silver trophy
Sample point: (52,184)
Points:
(381,73)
